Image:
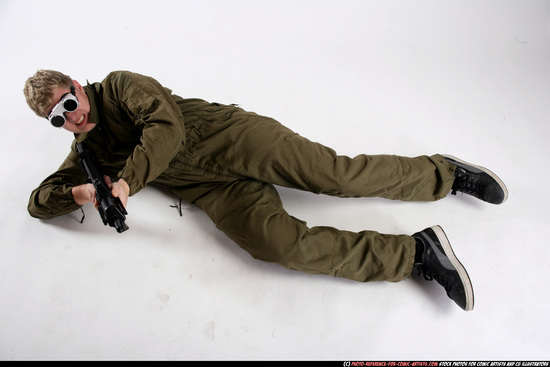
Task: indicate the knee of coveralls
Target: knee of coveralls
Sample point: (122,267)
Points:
(251,214)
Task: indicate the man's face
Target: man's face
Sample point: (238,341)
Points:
(77,121)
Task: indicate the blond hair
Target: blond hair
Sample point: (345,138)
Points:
(39,89)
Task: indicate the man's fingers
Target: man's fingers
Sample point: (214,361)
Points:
(107,180)
(121,190)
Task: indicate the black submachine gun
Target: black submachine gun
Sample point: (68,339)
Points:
(110,208)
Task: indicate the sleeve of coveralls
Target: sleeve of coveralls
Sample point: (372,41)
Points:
(161,123)
(53,196)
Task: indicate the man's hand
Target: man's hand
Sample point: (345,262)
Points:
(119,189)
(84,194)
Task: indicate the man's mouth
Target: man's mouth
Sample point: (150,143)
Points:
(80,121)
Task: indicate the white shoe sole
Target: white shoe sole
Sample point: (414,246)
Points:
(468,288)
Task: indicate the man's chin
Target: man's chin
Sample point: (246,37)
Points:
(80,129)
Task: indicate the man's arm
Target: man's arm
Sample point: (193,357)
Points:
(158,117)
(63,192)
(54,196)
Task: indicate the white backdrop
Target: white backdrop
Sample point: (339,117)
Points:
(468,78)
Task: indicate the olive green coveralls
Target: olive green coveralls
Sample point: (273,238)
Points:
(227,160)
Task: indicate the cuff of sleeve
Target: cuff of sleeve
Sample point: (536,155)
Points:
(48,204)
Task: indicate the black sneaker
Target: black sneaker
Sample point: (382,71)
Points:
(477,181)
(440,263)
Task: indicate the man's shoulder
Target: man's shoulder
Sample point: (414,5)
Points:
(124,75)
(124,80)
(120,82)
(119,76)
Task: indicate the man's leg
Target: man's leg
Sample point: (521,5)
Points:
(238,143)
(251,214)
(230,142)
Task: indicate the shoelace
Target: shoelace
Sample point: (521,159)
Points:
(465,183)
